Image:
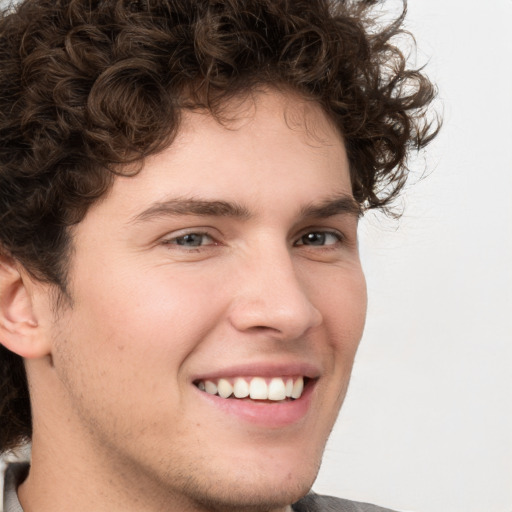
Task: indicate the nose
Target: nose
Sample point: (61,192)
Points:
(271,296)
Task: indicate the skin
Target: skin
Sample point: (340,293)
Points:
(118,422)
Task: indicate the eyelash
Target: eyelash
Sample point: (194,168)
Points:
(339,238)
(175,240)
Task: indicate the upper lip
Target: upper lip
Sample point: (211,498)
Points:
(263,369)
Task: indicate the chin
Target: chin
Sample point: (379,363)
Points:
(272,487)
(266,483)
(254,496)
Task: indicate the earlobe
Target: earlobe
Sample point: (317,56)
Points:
(19,327)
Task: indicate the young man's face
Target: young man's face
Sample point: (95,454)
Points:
(232,255)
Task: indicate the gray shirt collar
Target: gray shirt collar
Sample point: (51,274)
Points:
(14,476)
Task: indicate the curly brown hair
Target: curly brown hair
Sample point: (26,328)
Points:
(88,86)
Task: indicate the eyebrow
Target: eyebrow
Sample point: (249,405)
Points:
(200,207)
(343,204)
(338,205)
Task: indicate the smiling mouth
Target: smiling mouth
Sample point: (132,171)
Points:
(276,389)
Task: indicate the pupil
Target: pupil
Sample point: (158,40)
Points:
(314,239)
(191,240)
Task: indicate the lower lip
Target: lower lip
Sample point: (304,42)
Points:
(265,414)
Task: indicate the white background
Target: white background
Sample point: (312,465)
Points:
(427,425)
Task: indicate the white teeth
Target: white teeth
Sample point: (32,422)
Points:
(276,390)
(258,389)
(224,388)
(241,388)
(210,387)
(298,387)
(289,387)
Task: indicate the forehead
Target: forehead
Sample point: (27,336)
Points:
(259,113)
(260,130)
(261,144)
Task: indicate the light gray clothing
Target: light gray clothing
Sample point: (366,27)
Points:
(317,503)
(14,475)
(17,472)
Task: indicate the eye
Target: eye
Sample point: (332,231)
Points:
(319,238)
(191,240)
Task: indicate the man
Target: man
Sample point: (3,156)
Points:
(180,287)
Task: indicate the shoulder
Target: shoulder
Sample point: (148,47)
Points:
(317,503)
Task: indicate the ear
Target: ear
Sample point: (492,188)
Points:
(19,328)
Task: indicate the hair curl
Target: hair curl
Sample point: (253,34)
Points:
(88,86)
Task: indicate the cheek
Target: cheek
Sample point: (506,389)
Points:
(151,314)
(127,338)
(342,299)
